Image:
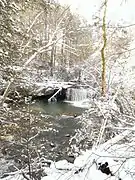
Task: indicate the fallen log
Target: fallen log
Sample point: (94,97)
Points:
(49,100)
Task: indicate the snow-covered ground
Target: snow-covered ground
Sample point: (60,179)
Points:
(88,166)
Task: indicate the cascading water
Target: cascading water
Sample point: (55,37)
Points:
(74,94)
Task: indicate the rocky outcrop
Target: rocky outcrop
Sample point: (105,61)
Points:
(47,90)
(51,91)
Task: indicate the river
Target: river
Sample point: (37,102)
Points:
(63,122)
(55,125)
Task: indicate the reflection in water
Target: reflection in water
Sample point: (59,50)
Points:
(57,108)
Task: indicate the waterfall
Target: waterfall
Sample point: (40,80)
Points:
(74,94)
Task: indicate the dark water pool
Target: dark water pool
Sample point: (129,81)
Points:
(63,122)
(57,108)
(56,122)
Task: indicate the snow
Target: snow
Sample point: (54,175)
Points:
(53,84)
(83,103)
(120,160)
(89,161)
(120,157)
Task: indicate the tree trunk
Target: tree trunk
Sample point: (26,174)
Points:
(52,59)
(103,76)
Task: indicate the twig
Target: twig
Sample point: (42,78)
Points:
(26,177)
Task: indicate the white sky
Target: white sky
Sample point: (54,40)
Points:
(118,10)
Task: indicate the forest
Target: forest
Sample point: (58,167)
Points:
(67,101)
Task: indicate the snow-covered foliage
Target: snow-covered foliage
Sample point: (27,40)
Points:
(108,161)
(39,50)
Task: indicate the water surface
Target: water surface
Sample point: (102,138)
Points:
(62,124)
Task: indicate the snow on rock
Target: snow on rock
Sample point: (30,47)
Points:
(111,160)
(88,166)
(119,159)
(48,86)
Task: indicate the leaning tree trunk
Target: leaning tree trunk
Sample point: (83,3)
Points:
(52,60)
(103,59)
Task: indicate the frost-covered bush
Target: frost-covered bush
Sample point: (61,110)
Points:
(105,118)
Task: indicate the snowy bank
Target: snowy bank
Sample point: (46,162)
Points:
(109,161)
